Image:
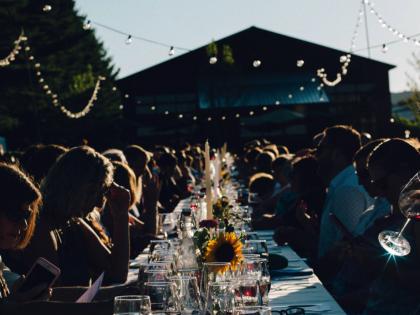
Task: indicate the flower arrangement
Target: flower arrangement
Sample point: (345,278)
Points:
(222,209)
(226,247)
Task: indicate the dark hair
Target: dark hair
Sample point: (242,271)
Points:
(38,159)
(343,138)
(364,151)
(167,160)
(136,152)
(264,162)
(308,167)
(261,183)
(395,154)
(115,155)
(18,191)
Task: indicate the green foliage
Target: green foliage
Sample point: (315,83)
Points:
(71,60)
(201,238)
(212,49)
(228,55)
(413,102)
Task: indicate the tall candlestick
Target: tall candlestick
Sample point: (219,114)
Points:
(209,201)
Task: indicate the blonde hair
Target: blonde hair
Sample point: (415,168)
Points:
(75,184)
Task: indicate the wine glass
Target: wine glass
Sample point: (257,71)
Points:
(132,304)
(409,203)
(249,290)
(256,247)
(214,272)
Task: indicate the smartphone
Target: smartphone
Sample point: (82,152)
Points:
(41,272)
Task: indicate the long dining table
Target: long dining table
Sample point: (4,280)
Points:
(293,286)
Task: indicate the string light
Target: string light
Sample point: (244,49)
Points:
(251,113)
(194,117)
(47,8)
(300,63)
(407,133)
(384,48)
(223,117)
(87,25)
(237,115)
(277,103)
(256,63)
(391,120)
(121,107)
(264,108)
(180,116)
(129,40)
(393,30)
(166,112)
(171,51)
(213,60)
(15,51)
(126,96)
(153,107)
(209,118)
(302,88)
(290,96)
(344,60)
(114,88)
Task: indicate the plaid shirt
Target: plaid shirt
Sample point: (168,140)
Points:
(347,200)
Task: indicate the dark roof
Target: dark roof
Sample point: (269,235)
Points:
(277,53)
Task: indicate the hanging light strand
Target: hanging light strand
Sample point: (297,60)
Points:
(55,98)
(6,61)
(169,46)
(345,60)
(393,30)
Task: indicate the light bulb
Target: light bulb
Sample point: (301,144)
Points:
(301,88)
(237,115)
(300,63)
(180,116)
(153,107)
(256,63)
(313,80)
(223,117)
(87,25)
(209,118)
(166,112)
(129,40)
(27,48)
(277,103)
(264,108)
(194,117)
(126,96)
(391,120)
(407,133)
(47,8)
(114,88)
(213,60)
(121,107)
(343,59)
(171,51)
(290,96)
(251,113)
(384,48)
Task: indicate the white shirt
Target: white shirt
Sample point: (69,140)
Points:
(347,200)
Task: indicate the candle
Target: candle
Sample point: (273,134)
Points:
(209,201)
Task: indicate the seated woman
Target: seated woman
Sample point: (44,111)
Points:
(20,202)
(81,180)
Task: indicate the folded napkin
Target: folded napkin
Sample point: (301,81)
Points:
(277,261)
(290,272)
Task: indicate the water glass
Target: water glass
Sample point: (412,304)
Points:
(257,247)
(249,291)
(188,293)
(163,296)
(220,298)
(214,272)
(132,305)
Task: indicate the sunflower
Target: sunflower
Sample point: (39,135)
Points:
(225,248)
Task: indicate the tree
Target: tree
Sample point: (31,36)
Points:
(71,60)
(413,102)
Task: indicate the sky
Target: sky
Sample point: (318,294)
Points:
(194,23)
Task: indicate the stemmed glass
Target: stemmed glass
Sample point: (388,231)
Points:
(409,203)
(132,304)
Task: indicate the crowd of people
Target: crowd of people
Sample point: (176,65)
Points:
(89,212)
(330,202)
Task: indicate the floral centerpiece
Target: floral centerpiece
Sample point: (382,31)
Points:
(223,245)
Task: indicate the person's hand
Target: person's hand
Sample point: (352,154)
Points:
(118,200)
(134,222)
(40,292)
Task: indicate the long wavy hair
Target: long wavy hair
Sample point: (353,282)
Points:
(18,192)
(76,184)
